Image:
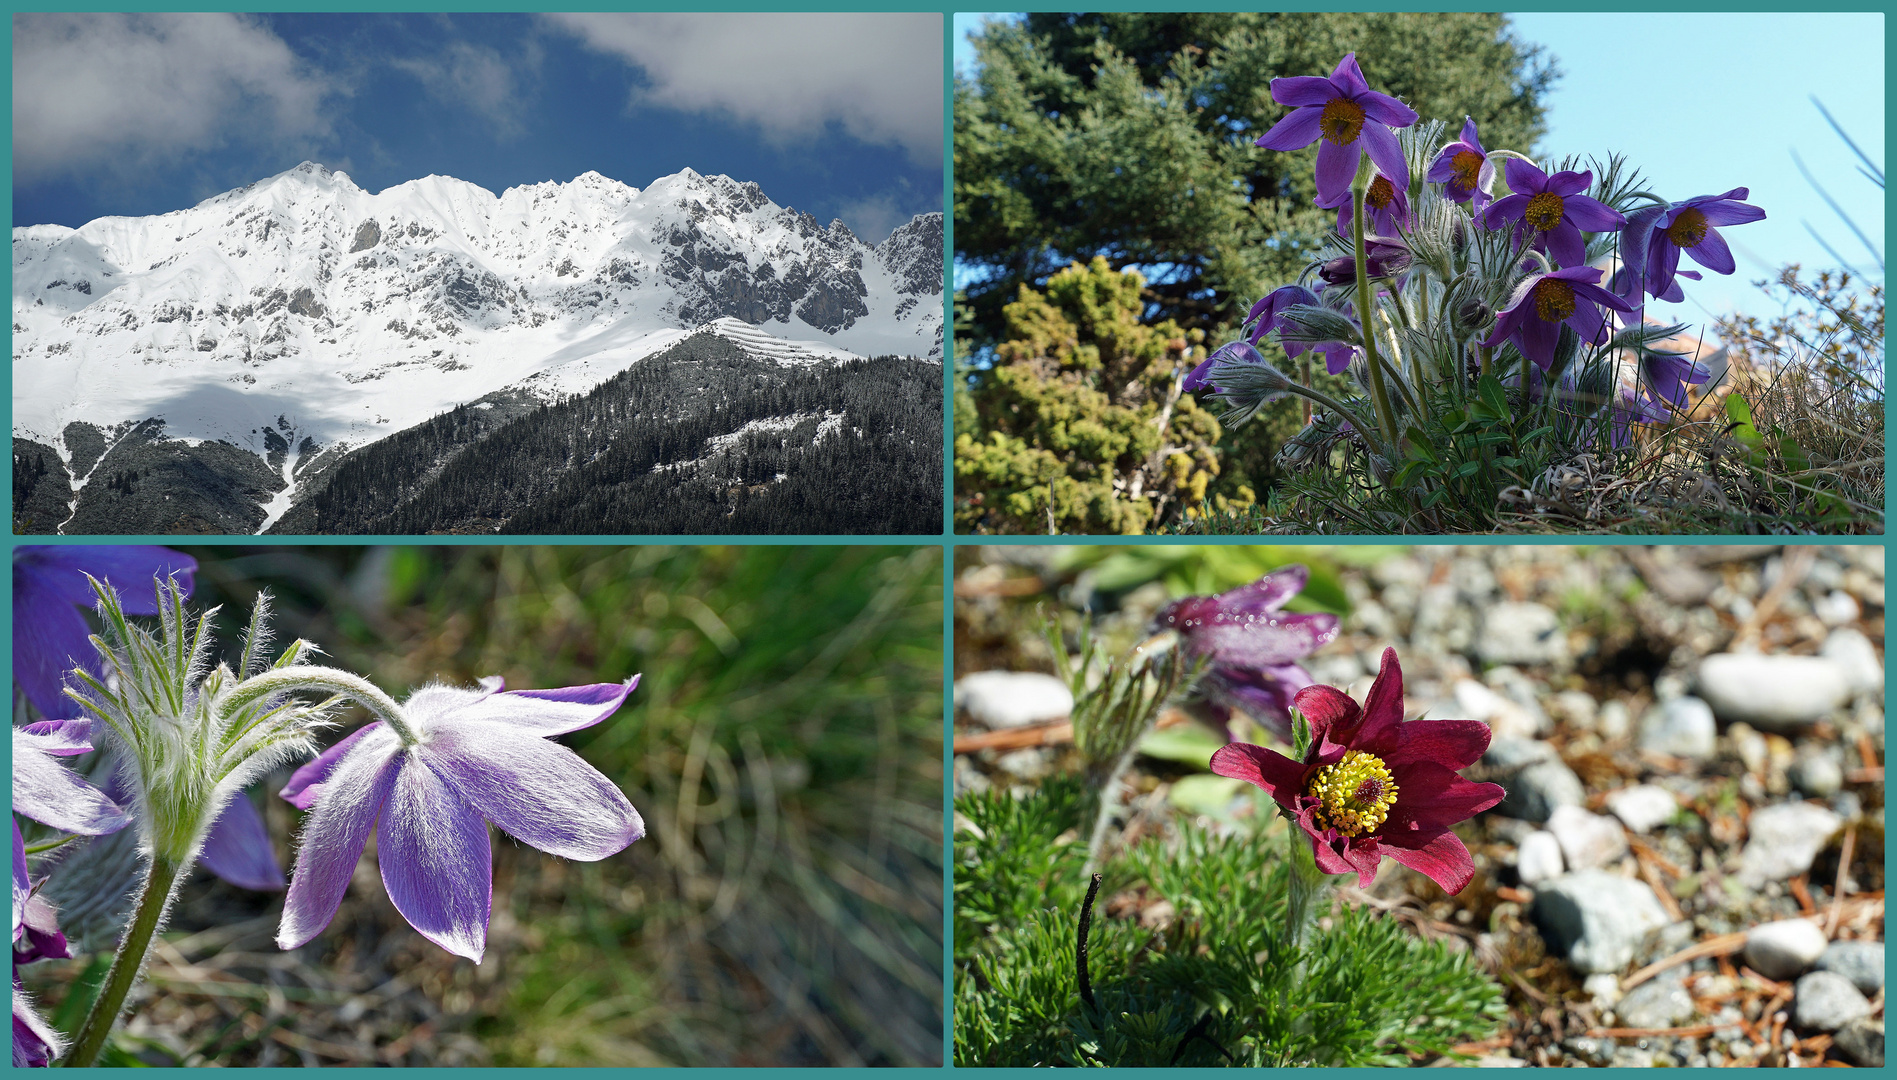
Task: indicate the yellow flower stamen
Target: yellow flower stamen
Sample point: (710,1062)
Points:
(1544,211)
(1357,793)
(1381,194)
(1342,121)
(1468,166)
(1554,299)
(1688,229)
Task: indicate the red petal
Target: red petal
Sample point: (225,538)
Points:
(1430,796)
(1383,706)
(1364,856)
(1440,856)
(1277,774)
(1454,744)
(1327,708)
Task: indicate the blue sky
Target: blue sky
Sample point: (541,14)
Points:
(835,115)
(1703,103)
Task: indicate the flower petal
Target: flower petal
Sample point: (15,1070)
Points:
(1328,709)
(538,791)
(540,712)
(1439,855)
(1268,593)
(52,794)
(1430,795)
(238,848)
(1380,143)
(1454,744)
(1712,253)
(1385,109)
(1569,183)
(1523,177)
(1348,78)
(306,783)
(1382,707)
(1565,244)
(1296,131)
(1591,214)
(334,834)
(436,860)
(61,738)
(1302,90)
(1336,168)
(129,568)
(1727,212)
(1279,776)
(1505,209)
(1265,694)
(50,638)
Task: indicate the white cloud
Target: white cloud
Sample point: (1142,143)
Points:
(873,217)
(113,91)
(877,75)
(475,77)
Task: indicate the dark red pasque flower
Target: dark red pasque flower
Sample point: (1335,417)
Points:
(1373,786)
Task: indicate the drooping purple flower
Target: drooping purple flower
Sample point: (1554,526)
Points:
(1553,209)
(1689,226)
(1264,317)
(35,1042)
(1251,646)
(1372,786)
(1666,376)
(50,638)
(1383,257)
(1464,170)
(1387,206)
(52,794)
(1349,117)
(36,933)
(1542,302)
(482,756)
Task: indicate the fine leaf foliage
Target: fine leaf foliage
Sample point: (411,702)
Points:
(1211,987)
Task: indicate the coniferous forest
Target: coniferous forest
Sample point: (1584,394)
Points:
(702,438)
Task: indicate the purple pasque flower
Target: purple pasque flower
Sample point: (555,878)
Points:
(479,756)
(1387,205)
(51,638)
(1666,376)
(52,794)
(35,1042)
(1383,257)
(1264,317)
(1372,786)
(1464,170)
(1251,646)
(1689,226)
(1554,209)
(1351,120)
(1542,302)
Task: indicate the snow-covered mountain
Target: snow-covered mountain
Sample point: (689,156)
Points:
(304,312)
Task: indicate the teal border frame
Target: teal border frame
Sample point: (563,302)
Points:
(947,540)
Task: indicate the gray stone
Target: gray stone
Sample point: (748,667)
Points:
(1519,633)
(1862,962)
(1633,1057)
(1470,700)
(1851,650)
(1614,720)
(1836,608)
(1817,773)
(1011,699)
(1862,1040)
(1782,841)
(1587,840)
(1773,693)
(1784,949)
(1538,858)
(1683,727)
(1591,1050)
(1661,1001)
(1596,919)
(1827,1001)
(1027,763)
(1534,777)
(1577,709)
(1643,807)
(1511,754)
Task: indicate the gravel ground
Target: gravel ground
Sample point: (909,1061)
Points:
(1688,869)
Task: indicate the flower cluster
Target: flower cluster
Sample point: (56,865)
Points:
(1484,263)
(184,736)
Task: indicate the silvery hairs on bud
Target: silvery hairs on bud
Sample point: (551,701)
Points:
(1244,388)
(1313,325)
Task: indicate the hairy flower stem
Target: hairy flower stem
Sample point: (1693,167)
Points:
(1308,376)
(1332,404)
(1309,885)
(161,883)
(1109,802)
(330,680)
(1386,417)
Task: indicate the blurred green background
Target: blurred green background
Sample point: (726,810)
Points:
(784,748)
